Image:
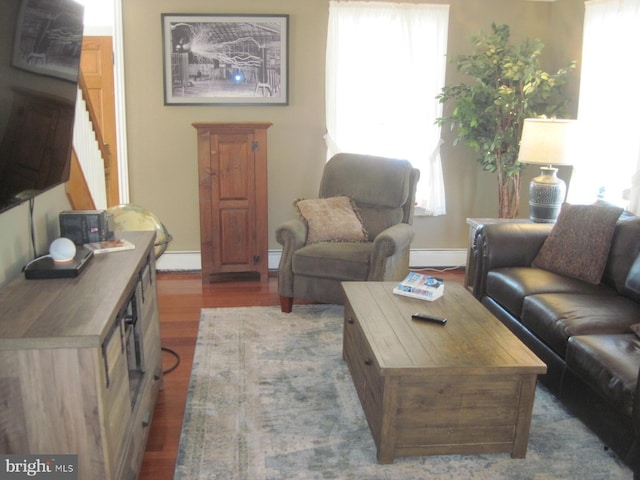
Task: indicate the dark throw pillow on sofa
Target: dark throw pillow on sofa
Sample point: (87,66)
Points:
(578,245)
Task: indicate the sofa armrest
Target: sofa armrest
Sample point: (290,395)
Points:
(633,455)
(390,253)
(505,245)
(292,235)
(635,415)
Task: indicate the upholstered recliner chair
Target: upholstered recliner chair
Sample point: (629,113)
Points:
(383,191)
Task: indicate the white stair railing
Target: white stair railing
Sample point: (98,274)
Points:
(89,155)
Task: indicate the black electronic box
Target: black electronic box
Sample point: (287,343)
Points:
(86,226)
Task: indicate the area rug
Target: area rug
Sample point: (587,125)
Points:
(270,398)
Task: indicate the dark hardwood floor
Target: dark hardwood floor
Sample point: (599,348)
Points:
(180,298)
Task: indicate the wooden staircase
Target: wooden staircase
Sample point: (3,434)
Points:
(77,188)
(93,178)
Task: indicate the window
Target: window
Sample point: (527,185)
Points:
(385,66)
(609,165)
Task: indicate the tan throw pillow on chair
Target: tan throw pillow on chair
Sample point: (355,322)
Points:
(334,219)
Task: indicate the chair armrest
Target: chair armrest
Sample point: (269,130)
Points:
(292,235)
(505,245)
(395,241)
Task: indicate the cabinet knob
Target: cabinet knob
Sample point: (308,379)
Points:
(368,362)
(351,320)
(146,419)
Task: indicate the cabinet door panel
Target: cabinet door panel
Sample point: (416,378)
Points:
(234,159)
(235,236)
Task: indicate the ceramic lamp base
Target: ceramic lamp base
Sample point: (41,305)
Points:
(546,195)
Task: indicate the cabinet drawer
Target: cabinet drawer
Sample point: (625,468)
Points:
(140,425)
(365,372)
(117,404)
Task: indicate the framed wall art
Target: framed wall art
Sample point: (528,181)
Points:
(225,59)
(48,38)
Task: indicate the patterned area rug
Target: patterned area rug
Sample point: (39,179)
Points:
(270,398)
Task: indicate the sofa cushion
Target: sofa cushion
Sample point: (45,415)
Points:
(578,245)
(334,219)
(341,261)
(555,318)
(633,277)
(625,248)
(510,285)
(609,364)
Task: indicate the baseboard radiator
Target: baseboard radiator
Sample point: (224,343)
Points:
(420,258)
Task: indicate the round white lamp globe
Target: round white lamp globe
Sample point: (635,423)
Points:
(62,250)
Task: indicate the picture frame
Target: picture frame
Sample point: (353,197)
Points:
(48,38)
(225,59)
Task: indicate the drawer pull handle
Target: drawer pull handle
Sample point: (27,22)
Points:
(146,419)
(368,362)
(351,320)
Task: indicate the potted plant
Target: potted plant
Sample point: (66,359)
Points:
(488,113)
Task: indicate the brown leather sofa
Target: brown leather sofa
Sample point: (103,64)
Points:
(580,330)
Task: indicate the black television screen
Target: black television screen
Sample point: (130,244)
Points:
(40,47)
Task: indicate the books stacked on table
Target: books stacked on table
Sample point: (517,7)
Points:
(418,285)
(113,245)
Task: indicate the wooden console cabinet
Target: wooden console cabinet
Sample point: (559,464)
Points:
(80,363)
(232,172)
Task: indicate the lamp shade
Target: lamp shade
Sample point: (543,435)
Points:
(548,141)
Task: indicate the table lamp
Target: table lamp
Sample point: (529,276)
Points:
(547,142)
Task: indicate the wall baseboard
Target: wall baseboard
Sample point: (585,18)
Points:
(420,258)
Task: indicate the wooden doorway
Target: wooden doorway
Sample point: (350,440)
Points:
(96,66)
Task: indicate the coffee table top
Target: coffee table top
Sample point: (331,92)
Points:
(473,341)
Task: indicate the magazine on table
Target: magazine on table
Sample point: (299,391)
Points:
(107,246)
(418,285)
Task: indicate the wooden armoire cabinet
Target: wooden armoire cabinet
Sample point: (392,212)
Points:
(232,173)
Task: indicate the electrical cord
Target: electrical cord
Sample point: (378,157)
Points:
(32,234)
(33,230)
(34,260)
(177,362)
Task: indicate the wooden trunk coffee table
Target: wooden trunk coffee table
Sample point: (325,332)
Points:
(465,387)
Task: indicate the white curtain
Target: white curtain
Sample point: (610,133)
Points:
(385,66)
(609,164)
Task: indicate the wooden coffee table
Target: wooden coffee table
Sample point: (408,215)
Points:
(426,389)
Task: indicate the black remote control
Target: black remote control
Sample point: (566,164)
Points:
(429,318)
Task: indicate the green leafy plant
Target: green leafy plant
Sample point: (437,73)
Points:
(488,113)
